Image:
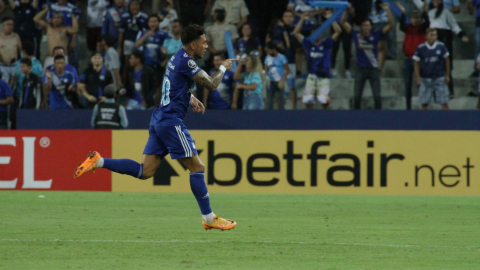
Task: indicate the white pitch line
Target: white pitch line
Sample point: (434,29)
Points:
(215,241)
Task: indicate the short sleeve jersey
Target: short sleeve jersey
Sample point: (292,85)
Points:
(242,45)
(60,84)
(176,89)
(251,78)
(131,25)
(318,57)
(432,59)
(367,48)
(276,67)
(152,47)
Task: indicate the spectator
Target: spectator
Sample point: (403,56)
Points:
(277,34)
(292,45)
(151,42)
(366,44)
(174,43)
(24,11)
(474,7)
(318,59)
(69,68)
(6,98)
(299,7)
(251,72)
(276,65)
(445,23)
(452,5)
(132,22)
(248,42)
(28,51)
(167,15)
(60,87)
(31,91)
(220,98)
(216,33)
(141,84)
(414,36)
(57,32)
(432,70)
(108,114)
(113,19)
(70,12)
(346,40)
(5,11)
(10,49)
(194,11)
(95,11)
(94,80)
(112,60)
(236,10)
(387,47)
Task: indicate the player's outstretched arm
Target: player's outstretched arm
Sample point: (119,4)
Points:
(211,83)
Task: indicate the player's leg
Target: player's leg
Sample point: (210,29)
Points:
(442,94)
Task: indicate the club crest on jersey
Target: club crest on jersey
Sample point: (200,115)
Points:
(192,64)
(102,77)
(438,52)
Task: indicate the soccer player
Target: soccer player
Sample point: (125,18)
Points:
(318,59)
(167,133)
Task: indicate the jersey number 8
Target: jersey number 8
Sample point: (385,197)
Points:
(166,92)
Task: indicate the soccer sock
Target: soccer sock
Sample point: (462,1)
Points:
(123,166)
(200,191)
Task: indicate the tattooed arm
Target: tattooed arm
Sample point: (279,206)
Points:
(211,83)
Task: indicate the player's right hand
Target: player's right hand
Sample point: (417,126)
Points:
(228,63)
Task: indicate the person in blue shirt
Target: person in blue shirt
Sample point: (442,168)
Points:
(250,72)
(318,63)
(69,68)
(6,98)
(220,98)
(151,42)
(60,87)
(432,70)
(167,132)
(174,43)
(28,51)
(276,65)
(366,44)
(247,42)
(112,19)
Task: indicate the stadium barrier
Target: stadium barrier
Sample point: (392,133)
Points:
(255,161)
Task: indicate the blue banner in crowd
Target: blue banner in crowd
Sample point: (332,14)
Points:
(231,52)
(339,7)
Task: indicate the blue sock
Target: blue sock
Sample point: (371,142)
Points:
(200,191)
(124,166)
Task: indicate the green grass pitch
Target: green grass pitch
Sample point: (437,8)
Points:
(96,230)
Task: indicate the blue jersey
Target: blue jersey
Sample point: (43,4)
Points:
(242,45)
(152,45)
(367,48)
(112,21)
(67,12)
(432,59)
(318,57)
(276,66)
(221,98)
(68,68)
(131,25)
(5,91)
(58,95)
(176,89)
(302,6)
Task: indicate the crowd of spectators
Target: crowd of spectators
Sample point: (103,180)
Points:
(130,47)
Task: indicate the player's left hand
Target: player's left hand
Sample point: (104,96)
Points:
(197,105)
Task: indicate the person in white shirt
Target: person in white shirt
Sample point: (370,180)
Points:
(95,11)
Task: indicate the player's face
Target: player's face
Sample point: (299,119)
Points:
(24,68)
(97,60)
(217,61)
(57,20)
(288,18)
(153,24)
(366,28)
(200,47)
(134,7)
(246,30)
(59,65)
(432,37)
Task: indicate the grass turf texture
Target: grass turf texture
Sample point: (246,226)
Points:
(94,230)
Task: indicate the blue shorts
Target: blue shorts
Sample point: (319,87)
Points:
(173,140)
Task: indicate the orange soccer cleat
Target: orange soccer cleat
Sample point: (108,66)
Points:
(219,223)
(89,165)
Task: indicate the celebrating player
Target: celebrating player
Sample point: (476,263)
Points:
(167,133)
